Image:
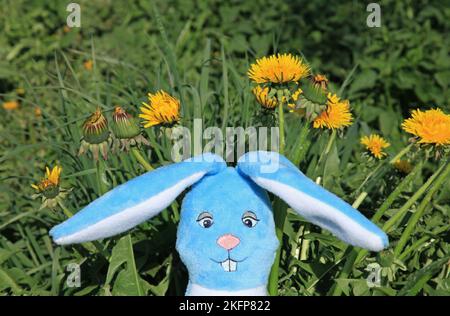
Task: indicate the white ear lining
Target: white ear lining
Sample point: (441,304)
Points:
(324,215)
(130,217)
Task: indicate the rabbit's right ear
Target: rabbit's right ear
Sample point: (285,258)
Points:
(135,201)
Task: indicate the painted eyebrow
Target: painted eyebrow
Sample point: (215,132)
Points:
(203,215)
(250,214)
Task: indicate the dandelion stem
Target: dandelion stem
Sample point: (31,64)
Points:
(100,171)
(401,212)
(369,176)
(413,247)
(281,122)
(225,87)
(65,209)
(382,164)
(401,154)
(280,213)
(398,190)
(351,255)
(356,256)
(301,146)
(330,142)
(421,209)
(351,252)
(280,210)
(137,154)
(359,199)
(404,209)
(325,153)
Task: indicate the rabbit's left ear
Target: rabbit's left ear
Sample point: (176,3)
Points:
(135,201)
(278,175)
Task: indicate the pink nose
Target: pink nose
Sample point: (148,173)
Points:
(228,241)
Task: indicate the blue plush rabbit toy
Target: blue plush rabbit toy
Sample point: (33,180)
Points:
(226,236)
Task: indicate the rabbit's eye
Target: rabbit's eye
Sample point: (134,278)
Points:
(249,219)
(205,220)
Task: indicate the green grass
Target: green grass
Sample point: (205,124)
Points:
(200,52)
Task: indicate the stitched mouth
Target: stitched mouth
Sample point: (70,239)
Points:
(228,265)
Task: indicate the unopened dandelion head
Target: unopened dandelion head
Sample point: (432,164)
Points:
(96,135)
(126,130)
(404,166)
(320,81)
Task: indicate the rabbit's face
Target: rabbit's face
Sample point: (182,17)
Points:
(226,236)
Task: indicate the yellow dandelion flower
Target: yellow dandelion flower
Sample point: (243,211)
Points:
(49,190)
(278,69)
(263,99)
(11,105)
(333,98)
(162,109)
(375,144)
(431,126)
(51,179)
(88,65)
(336,115)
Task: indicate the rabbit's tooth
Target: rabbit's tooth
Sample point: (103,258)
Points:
(233,265)
(225,265)
(229,265)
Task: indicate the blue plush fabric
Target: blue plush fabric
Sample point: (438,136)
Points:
(227,196)
(136,191)
(251,165)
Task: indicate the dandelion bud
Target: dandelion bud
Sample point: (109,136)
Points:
(386,258)
(95,128)
(320,81)
(313,92)
(96,136)
(123,124)
(404,166)
(126,130)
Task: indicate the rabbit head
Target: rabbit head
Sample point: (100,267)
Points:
(226,235)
